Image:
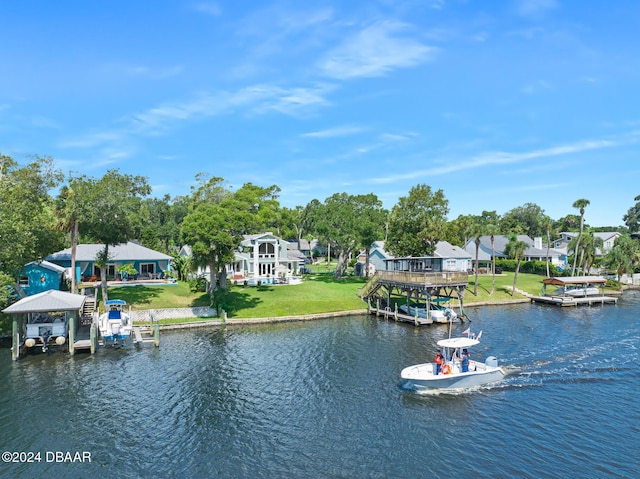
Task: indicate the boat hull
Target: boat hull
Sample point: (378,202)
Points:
(422,376)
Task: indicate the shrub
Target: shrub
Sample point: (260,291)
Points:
(198,285)
(533,267)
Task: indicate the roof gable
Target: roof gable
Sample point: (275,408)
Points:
(50,300)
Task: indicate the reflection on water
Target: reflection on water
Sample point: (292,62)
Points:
(324,399)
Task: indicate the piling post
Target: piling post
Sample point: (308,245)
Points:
(368,305)
(377,307)
(15,346)
(72,333)
(93,338)
(156,335)
(396,312)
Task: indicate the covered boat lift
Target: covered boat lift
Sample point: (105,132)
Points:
(577,281)
(30,309)
(582,281)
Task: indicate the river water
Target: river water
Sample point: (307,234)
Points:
(323,399)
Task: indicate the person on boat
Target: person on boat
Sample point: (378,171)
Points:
(439,360)
(465,361)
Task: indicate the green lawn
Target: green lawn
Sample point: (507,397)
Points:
(158,297)
(320,292)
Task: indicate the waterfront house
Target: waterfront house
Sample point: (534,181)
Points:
(608,240)
(307,248)
(148,263)
(263,258)
(39,276)
(446,257)
(536,251)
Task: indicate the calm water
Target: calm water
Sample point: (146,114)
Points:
(323,399)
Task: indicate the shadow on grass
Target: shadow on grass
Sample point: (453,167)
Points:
(330,278)
(238,300)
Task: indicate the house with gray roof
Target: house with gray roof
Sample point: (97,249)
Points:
(446,257)
(260,257)
(608,240)
(535,252)
(149,264)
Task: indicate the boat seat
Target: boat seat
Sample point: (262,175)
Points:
(114,314)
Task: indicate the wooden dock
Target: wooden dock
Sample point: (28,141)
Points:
(82,338)
(573,301)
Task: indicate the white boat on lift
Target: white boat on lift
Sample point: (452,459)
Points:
(439,314)
(579,291)
(425,376)
(115,324)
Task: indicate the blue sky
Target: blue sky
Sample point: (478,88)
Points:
(498,103)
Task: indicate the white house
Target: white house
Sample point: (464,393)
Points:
(263,258)
(608,240)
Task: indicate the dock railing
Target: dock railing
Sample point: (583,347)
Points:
(423,278)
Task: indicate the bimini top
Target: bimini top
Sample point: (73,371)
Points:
(115,302)
(457,343)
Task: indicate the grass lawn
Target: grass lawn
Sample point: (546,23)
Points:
(320,292)
(159,297)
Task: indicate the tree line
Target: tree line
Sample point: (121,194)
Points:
(43,211)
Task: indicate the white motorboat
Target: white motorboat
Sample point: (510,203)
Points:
(115,324)
(439,314)
(579,291)
(451,375)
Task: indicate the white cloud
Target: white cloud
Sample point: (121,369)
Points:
(120,70)
(528,8)
(334,132)
(209,8)
(255,99)
(499,158)
(375,51)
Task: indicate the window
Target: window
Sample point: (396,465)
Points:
(24,281)
(147,268)
(111,270)
(266,250)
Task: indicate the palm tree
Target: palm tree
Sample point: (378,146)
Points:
(514,250)
(70,210)
(547,223)
(476,230)
(580,204)
(492,231)
(595,242)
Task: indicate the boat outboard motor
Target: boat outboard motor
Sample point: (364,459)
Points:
(492,362)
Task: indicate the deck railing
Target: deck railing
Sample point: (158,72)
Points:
(411,277)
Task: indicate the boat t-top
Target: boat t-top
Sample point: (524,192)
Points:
(456,370)
(115,324)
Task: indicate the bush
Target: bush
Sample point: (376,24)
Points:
(532,267)
(198,285)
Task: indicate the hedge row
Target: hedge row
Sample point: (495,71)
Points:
(532,267)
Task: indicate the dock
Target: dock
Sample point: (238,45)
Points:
(565,301)
(388,289)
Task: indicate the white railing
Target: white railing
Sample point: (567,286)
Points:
(145,316)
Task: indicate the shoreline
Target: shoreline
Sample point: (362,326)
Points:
(311,317)
(306,317)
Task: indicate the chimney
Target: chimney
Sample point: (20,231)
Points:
(537,242)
